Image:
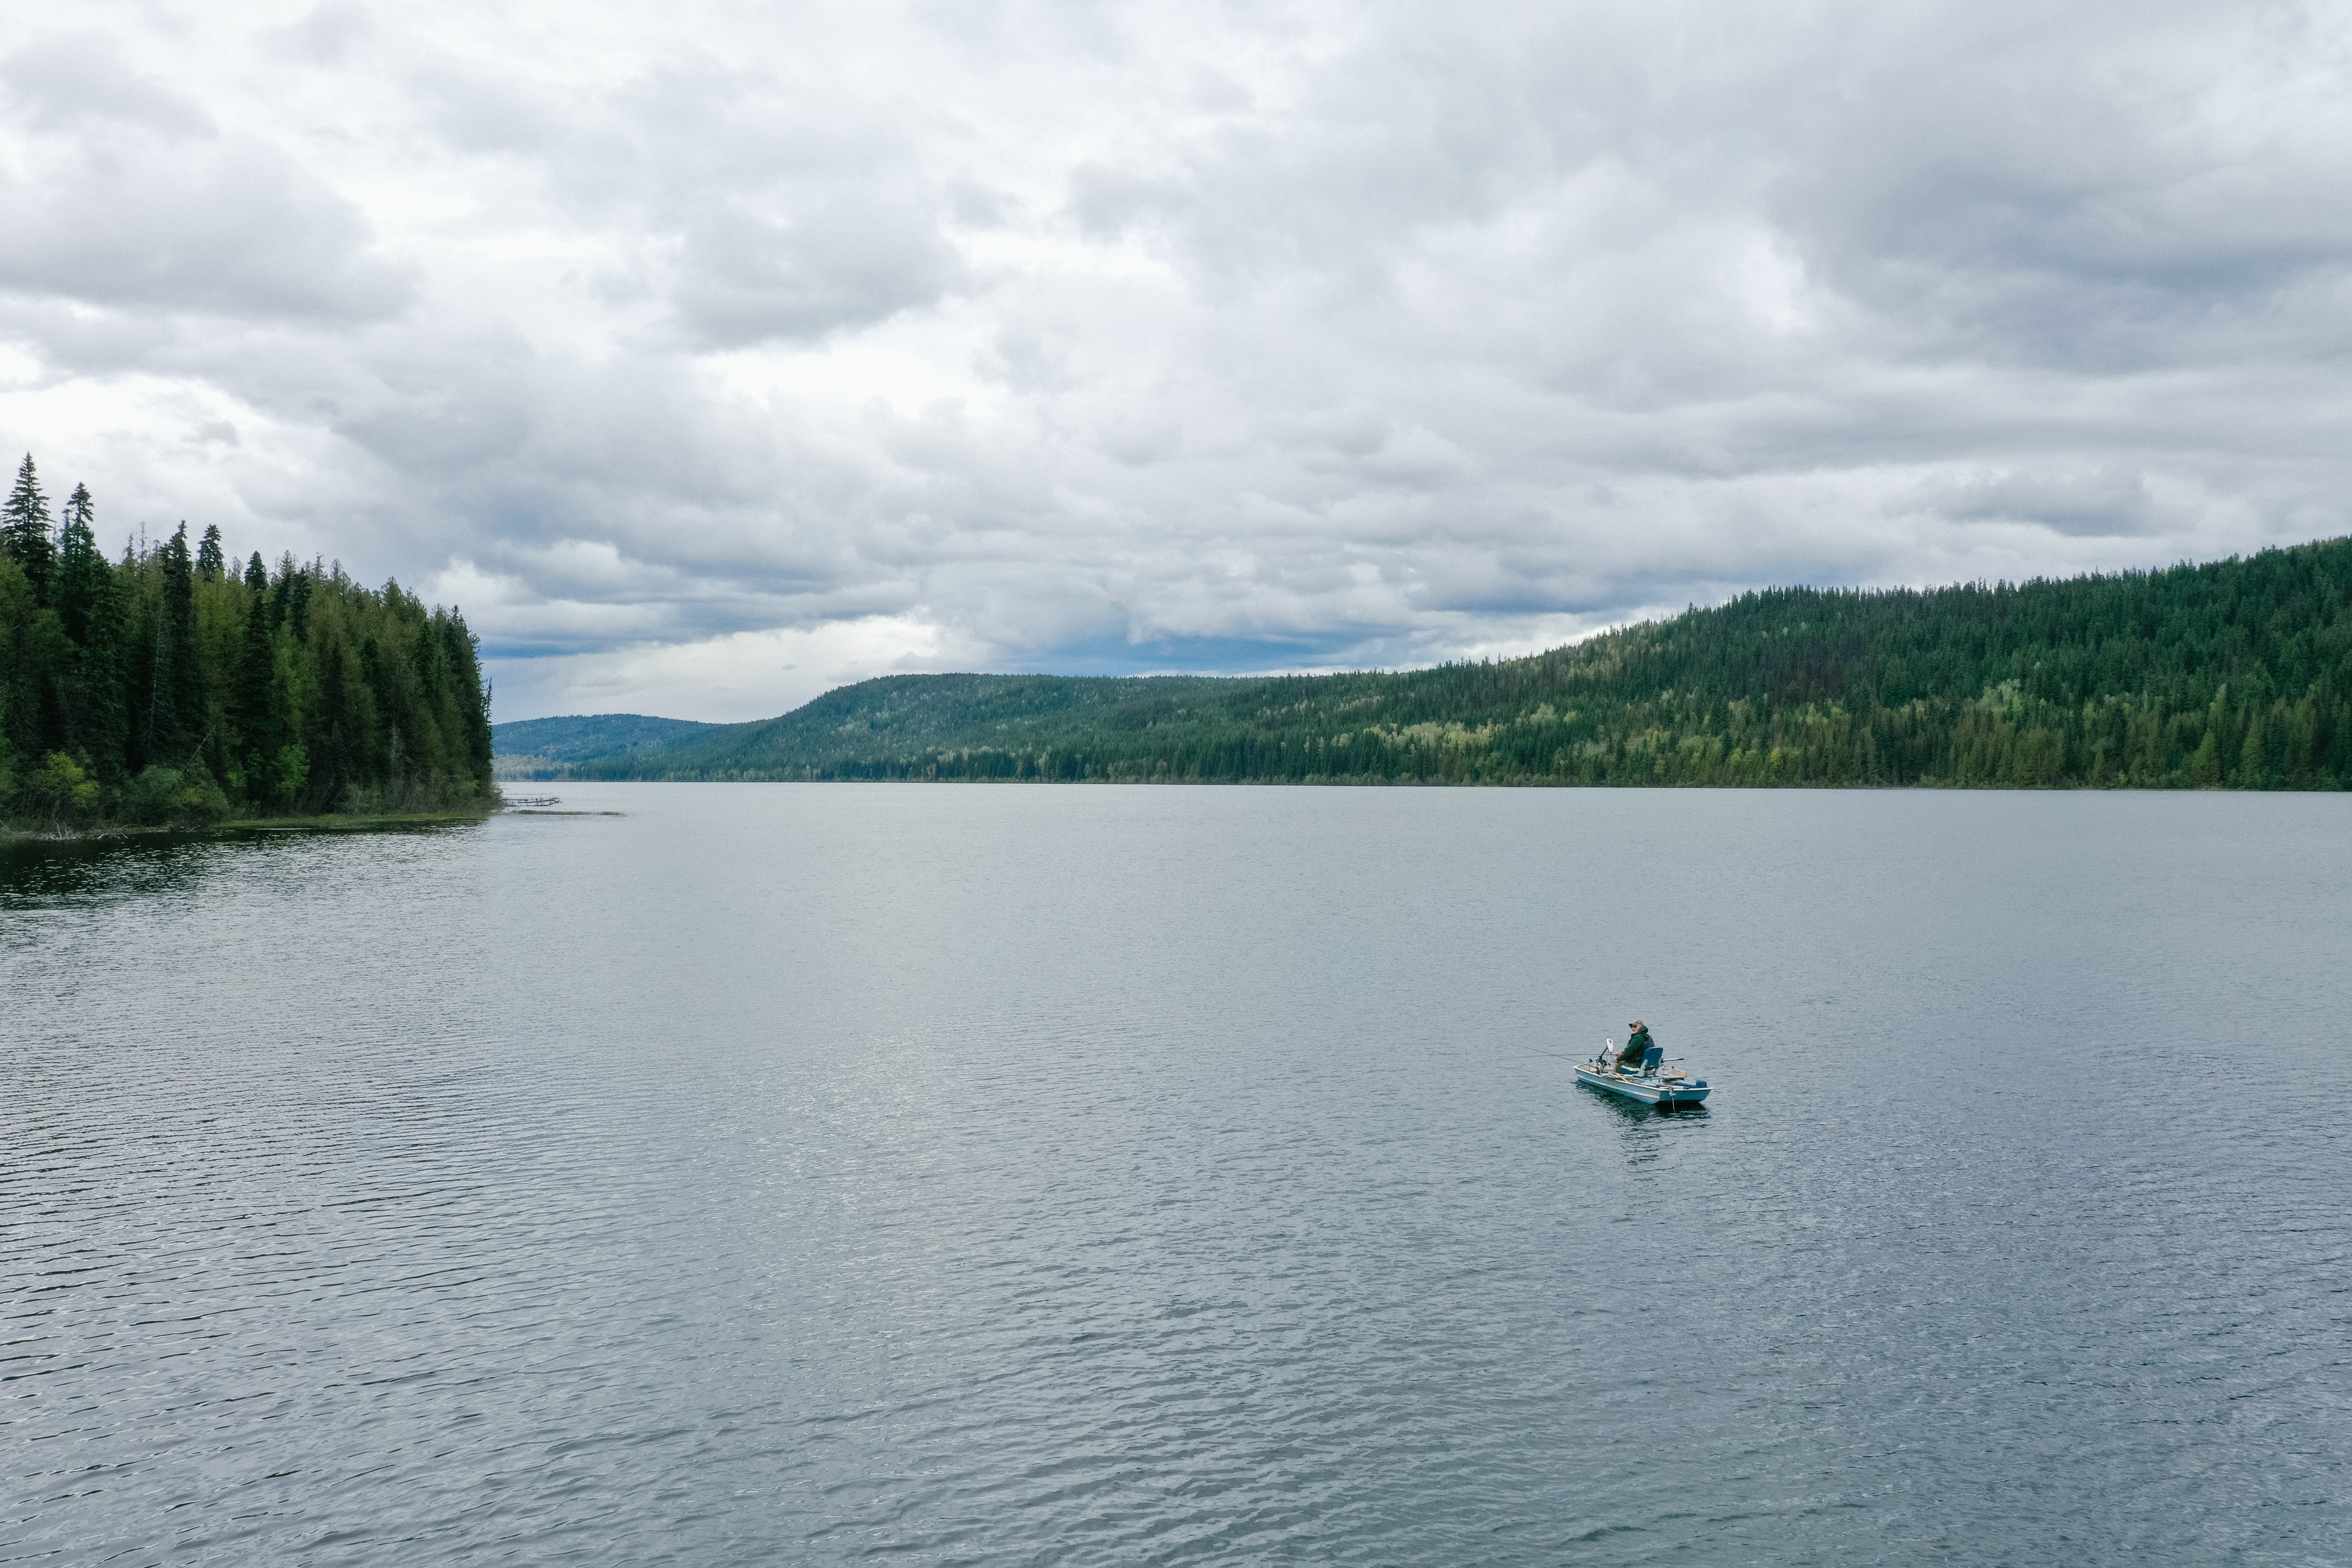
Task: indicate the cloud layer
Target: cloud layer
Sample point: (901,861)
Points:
(710,354)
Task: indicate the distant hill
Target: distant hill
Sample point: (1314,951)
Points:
(2235,673)
(540,749)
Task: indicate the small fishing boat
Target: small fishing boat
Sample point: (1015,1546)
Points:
(1651,1081)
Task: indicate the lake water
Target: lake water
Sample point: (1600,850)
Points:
(967,1174)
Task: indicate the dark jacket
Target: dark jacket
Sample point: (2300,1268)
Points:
(1632,1055)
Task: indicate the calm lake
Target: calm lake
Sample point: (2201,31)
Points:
(967,1174)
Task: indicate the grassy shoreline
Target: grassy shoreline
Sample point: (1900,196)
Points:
(331,822)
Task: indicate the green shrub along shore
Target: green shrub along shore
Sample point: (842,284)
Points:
(2236,674)
(170,689)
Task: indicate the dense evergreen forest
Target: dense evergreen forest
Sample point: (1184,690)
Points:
(2232,674)
(172,686)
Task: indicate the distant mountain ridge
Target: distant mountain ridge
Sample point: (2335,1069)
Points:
(2234,674)
(542,748)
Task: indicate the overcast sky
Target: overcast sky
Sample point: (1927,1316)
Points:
(711,355)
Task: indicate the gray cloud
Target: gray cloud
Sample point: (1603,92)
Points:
(844,262)
(127,196)
(2096,504)
(325,35)
(1154,336)
(66,82)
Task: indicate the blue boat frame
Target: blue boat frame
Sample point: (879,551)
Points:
(1648,1085)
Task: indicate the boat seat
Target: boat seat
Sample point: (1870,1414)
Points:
(1652,1058)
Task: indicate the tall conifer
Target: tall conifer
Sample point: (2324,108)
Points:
(289,600)
(472,698)
(25,530)
(90,607)
(258,703)
(175,690)
(80,568)
(337,752)
(210,564)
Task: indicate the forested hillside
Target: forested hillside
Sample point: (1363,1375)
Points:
(169,686)
(2237,674)
(545,748)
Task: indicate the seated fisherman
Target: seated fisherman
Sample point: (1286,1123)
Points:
(1631,1056)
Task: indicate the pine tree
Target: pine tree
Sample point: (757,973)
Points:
(259,701)
(471,696)
(90,605)
(187,672)
(289,600)
(80,567)
(32,648)
(25,530)
(337,746)
(256,577)
(175,690)
(210,564)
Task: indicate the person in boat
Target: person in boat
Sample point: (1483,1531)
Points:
(1631,1056)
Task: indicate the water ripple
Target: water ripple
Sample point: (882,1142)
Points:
(1089,1176)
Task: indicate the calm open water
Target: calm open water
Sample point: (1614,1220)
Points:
(967,1174)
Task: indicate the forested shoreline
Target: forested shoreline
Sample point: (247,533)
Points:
(171,686)
(2234,674)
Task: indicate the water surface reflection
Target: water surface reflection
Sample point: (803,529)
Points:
(1100,1175)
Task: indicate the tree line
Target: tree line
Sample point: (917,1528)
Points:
(169,686)
(2234,674)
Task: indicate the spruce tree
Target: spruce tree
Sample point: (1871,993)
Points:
(289,600)
(298,603)
(472,698)
(337,744)
(210,564)
(80,567)
(90,607)
(259,707)
(174,692)
(25,530)
(256,577)
(187,670)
